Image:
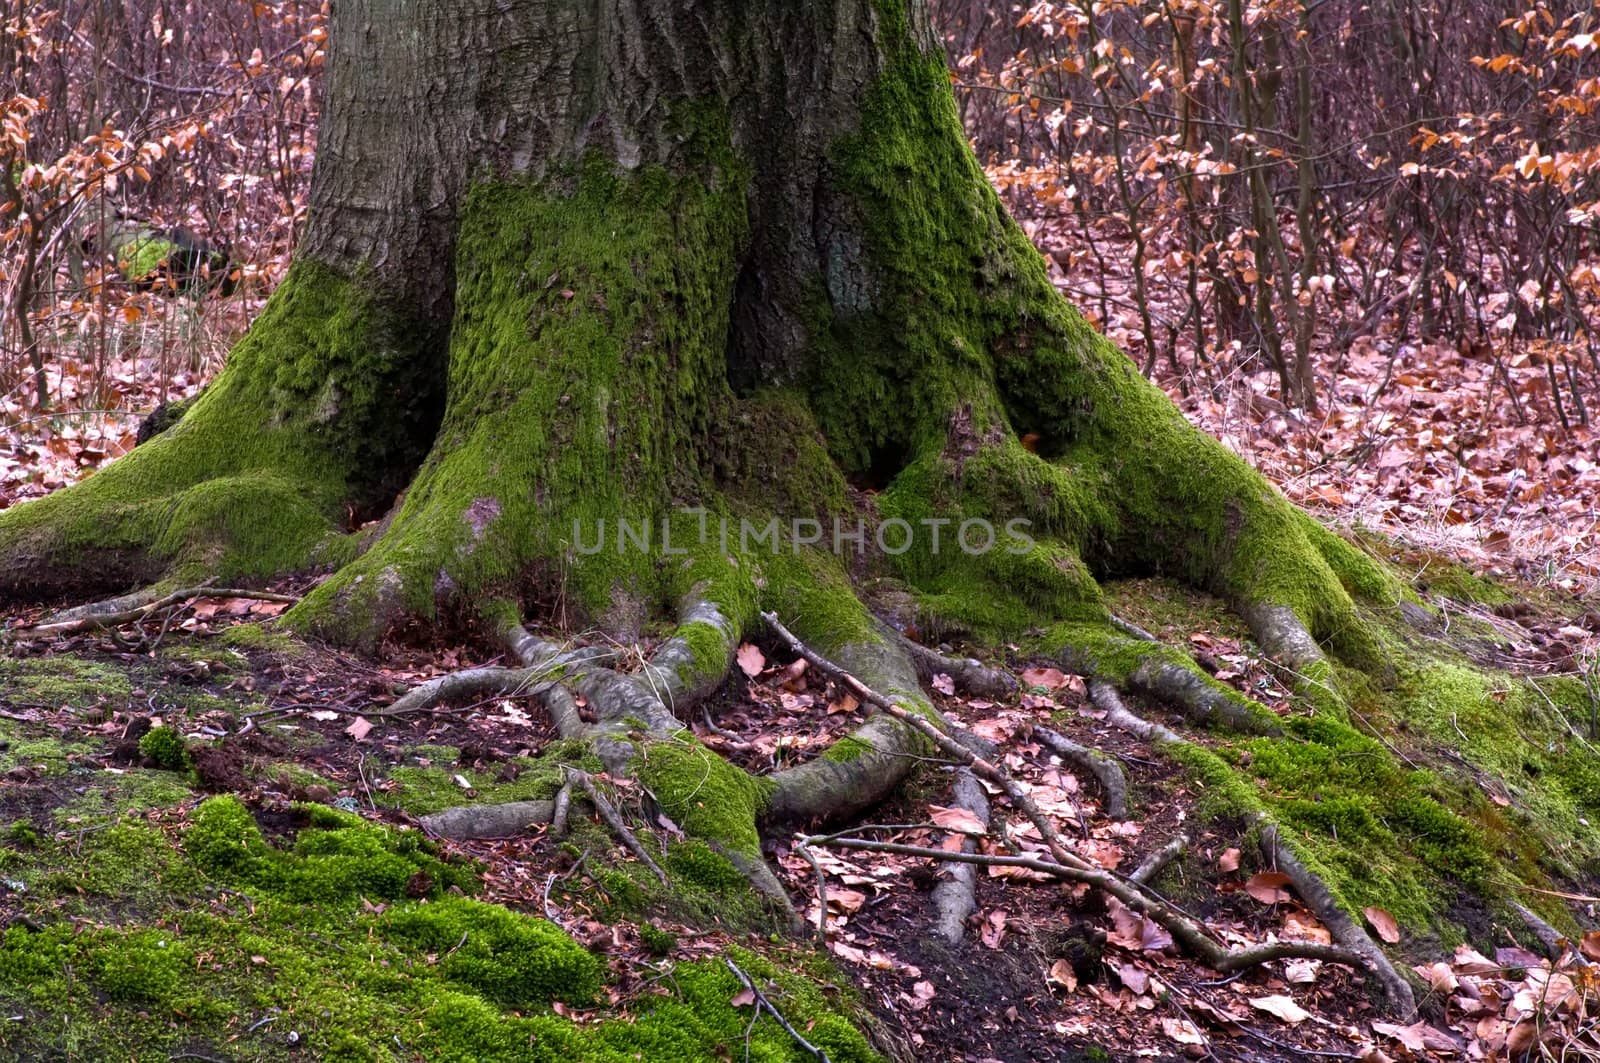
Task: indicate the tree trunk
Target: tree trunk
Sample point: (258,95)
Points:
(685,265)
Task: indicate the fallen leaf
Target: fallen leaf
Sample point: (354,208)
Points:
(846,900)
(1267,887)
(1439,977)
(1590,945)
(359,729)
(1048,678)
(1283,1007)
(1418,1037)
(1383,923)
(994,929)
(1300,972)
(1228,861)
(1183,1031)
(1305,927)
(958,819)
(944,684)
(1133,978)
(743,998)
(1061,974)
(847,702)
(751,660)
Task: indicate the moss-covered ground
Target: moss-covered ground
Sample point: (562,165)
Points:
(142,918)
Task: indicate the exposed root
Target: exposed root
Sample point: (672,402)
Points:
(1554,942)
(1315,893)
(507,820)
(1064,864)
(1176,682)
(1354,942)
(1106,771)
(867,765)
(1157,861)
(558,815)
(955,894)
(138,605)
(1199,697)
(1104,696)
(471,684)
(970,675)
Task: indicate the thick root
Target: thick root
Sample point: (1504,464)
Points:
(954,896)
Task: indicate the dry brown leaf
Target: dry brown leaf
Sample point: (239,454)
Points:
(1589,945)
(1305,927)
(1062,974)
(359,728)
(846,901)
(1282,1007)
(743,998)
(1383,923)
(1183,1031)
(1229,860)
(1268,887)
(1048,678)
(957,819)
(944,684)
(751,659)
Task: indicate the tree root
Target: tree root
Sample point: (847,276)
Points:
(1106,771)
(1345,931)
(970,675)
(1187,932)
(1354,942)
(471,822)
(1157,861)
(137,605)
(955,894)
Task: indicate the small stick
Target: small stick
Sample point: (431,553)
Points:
(763,1004)
(822,891)
(613,820)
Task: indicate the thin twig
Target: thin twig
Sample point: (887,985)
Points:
(613,818)
(763,1004)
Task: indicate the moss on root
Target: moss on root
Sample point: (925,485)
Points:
(1436,797)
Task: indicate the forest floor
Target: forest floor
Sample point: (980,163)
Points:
(1046,971)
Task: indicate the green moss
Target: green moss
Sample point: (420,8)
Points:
(513,960)
(141,966)
(165,747)
(659,942)
(584,364)
(261,638)
(704,794)
(54,682)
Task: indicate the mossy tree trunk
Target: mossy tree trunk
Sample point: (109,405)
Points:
(568,264)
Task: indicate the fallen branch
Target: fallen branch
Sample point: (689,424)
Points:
(1210,953)
(763,1004)
(115,612)
(1187,932)
(955,894)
